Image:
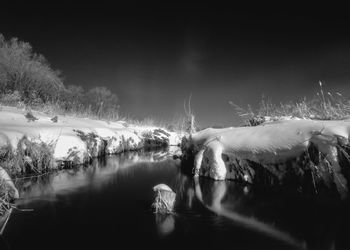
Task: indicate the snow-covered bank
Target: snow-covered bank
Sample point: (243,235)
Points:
(7,186)
(75,139)
(283,150)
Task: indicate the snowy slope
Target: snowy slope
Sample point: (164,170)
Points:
(82,137)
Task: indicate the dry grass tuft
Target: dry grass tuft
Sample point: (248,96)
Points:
(164,202)
(5,200)
(29,157)
(324,106)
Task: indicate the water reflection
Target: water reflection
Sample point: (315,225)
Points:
(95,176)
(165,223)
(297,222)
(214,202)
(120,189)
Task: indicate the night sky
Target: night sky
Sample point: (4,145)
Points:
(154,58)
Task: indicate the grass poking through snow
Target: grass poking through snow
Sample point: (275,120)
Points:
(30,157)
(324,106)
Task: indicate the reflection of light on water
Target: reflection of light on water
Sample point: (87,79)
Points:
(47,186)
(237,205)
(190,195)
(214,204)
(246,190)
(165,223)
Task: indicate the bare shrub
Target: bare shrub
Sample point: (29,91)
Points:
(34,156)
(28,73)
(26,78)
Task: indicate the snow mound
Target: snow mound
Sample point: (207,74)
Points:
(277,148)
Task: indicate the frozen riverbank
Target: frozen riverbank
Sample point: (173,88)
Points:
(43,142)
(298,152)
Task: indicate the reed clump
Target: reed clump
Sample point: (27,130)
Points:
(164,199)
(326,105)
(5,200)
(29,157)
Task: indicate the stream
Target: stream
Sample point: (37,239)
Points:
(108,205)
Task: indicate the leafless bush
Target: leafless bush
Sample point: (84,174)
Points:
(26,78)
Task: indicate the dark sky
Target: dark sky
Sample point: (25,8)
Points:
(153,58)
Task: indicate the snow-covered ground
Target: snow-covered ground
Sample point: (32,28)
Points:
(80,138)
(238,153)
(75,140)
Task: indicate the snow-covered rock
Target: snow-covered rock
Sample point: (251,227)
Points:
(124,141)
(70,148)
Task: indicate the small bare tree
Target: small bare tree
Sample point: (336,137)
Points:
(103,102)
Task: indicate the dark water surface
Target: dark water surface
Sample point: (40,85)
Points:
(108,206)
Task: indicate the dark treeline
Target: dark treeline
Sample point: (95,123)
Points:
(26,78)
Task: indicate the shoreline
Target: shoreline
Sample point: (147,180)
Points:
(36,143)
(306,155)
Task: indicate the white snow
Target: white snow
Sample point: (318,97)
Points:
(8,183)
(67,134)
(162,187)
(269,143)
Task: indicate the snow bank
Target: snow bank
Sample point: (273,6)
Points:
(277,147)
(7,185)
(77,139)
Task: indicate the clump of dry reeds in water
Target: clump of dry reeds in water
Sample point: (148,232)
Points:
(5,204)
(29,157)
(6,157)
(34,156)
(164,199)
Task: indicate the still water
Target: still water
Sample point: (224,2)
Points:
(107,205)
